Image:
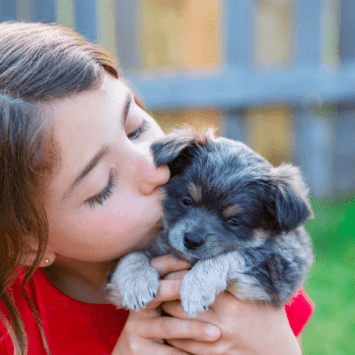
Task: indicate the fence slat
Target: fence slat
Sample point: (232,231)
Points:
(233,89)
(45,11)
(347,30)
(238,17)
(85,18)
(7,10)
(106,30)
(314,151)
(344,165)
(25,10)
(127,34)
(65,12)
(234,126)
(308,42)
(314,138)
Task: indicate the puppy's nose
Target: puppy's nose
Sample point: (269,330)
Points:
(192,241)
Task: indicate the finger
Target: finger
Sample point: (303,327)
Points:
(167,263)
(195,347)
(175,328)
(177,275)
(169,290)
(148,347)
(175,309)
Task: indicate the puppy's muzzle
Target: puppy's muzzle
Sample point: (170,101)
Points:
(192,241)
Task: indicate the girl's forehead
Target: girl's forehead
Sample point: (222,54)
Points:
(110,88)
(84,123)
(92,106)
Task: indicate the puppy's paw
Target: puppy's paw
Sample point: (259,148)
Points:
(198,294)
(114,295)
(134,283)
(139,288)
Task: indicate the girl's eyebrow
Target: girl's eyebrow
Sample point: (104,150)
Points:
(100,154)
(88,167)
(126,107)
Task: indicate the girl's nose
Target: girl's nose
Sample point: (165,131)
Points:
(152,177)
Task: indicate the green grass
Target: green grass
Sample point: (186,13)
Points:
(331,284)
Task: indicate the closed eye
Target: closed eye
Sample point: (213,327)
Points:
(101,197)
(140,130)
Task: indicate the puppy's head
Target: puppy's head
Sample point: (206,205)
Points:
(223,196)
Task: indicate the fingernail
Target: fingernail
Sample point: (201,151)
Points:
(212,331)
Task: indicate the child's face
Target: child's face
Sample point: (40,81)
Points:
(102,210)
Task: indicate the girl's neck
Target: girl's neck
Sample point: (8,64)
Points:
(81,280)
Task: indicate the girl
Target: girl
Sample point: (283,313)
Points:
(79,189)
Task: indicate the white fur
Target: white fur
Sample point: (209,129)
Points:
(134,280)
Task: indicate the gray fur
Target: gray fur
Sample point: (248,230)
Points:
(261,252)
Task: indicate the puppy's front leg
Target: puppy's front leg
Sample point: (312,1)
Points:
(134,280)
(202,283)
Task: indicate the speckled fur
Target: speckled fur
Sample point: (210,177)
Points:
(258,250)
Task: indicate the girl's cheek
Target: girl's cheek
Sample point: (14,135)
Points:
(114,215)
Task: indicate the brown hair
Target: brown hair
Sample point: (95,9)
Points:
(39,63)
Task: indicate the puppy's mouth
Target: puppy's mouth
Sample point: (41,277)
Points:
(192,256)
(191,240)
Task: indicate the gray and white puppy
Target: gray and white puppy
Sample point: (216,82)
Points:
(231,214)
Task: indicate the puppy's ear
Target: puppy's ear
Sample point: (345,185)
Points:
(177,148)
(290,197)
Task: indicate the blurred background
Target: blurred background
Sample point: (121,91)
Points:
(276,74)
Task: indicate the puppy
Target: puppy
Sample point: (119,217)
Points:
(232,215)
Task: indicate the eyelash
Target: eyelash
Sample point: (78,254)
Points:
(100,198)
(106,193)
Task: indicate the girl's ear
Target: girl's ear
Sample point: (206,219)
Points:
(290,197)
(47,260)
(177,148)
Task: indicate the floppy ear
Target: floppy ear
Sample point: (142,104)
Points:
(290,197)
(177,148)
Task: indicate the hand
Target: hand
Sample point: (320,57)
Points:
(145,330)
(246,327)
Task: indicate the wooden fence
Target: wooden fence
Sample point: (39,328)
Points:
(277,74)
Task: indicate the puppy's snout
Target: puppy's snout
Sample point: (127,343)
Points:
(192,241)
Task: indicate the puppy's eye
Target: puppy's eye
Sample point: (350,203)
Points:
(185,201)
(233,222)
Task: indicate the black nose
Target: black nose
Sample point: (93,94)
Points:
(192,241)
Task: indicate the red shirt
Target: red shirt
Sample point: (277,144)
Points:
(74,327)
